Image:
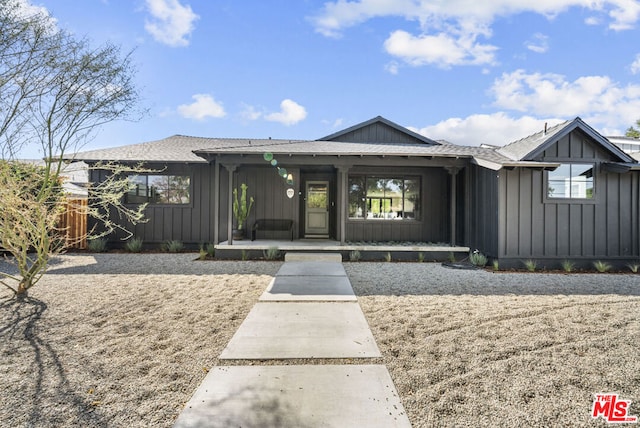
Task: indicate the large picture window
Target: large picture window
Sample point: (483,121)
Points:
(159,189)
(384,198)
(571,181)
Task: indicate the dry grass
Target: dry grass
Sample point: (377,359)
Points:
(123,350)
(506,357)
(105,343)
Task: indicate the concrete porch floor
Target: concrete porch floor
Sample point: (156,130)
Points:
(331,245)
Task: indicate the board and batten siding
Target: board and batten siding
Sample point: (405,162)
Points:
(378,132)
(537,227)
(190,223)
(482,220)
(269,191)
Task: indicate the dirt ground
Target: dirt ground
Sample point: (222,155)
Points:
(124,340)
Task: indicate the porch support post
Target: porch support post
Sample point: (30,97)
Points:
(343,192)
(230,169)
(216,202)
(453,172)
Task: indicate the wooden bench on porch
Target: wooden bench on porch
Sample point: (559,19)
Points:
(274,225)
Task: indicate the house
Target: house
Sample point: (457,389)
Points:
(564,193)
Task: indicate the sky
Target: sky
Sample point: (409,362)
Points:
(467,71)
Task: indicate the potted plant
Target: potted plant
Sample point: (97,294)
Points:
(241,210)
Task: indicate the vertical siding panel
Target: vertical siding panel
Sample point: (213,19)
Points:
(600,220)
(551,229)
(635,237)
(525,212)
(624,215)
(613,223)
(575,229)
(513,215)
(589,227)
(537,214)
(563,229)
(158,227)
(501,193)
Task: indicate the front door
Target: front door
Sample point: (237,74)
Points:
(317,209)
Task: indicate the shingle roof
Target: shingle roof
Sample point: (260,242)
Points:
(339,148)
(177,148)
(529,147)
(518,150)
(185,149)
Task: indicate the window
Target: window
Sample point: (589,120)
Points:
(159,189)
(571,181)
(384,198)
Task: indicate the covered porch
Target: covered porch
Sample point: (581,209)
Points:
(368,251)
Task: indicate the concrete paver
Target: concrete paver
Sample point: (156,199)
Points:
(297,396)
(313,257)
(309,310)
(303,330)
(309,288)
(311,269)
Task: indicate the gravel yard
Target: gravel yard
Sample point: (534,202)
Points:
(124,339)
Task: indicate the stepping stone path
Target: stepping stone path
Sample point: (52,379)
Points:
(308,311)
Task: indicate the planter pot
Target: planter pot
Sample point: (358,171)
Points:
(238,234)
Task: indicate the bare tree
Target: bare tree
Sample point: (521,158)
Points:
(55,91)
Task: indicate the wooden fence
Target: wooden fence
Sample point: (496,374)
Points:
(74,221)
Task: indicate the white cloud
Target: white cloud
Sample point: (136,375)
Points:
(592,20)
(172,22)
(442,49)
(597,99)
(339,15)
(249,112)
(450,30)
(204,106)
(392,67)
(290,113)
(635,65)
(496,129)
(539,43)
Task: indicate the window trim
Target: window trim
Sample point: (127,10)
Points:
(569,200)
(366,176)
(164,204)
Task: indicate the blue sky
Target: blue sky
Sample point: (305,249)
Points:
(470,72)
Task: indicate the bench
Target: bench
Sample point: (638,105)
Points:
(272,225)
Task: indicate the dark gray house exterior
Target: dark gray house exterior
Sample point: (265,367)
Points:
(564,193)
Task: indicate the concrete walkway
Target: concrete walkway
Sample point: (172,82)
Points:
(308,311)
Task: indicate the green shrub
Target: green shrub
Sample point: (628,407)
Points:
(601,266)
(202,253)
(530,265)
(173,246)
(421,257)
(568,266)
(211,249)
(452,257)
(496,265)
(633,267)
(478,259)
(387,256)
(98,245)
(244,255)
(272,253)
(354,256)
(134,245)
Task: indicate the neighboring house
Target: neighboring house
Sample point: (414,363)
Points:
(75,177)
(564,193)
(628,145)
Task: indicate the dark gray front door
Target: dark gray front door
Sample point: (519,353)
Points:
(317,209)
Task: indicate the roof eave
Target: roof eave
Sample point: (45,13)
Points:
(571,126)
